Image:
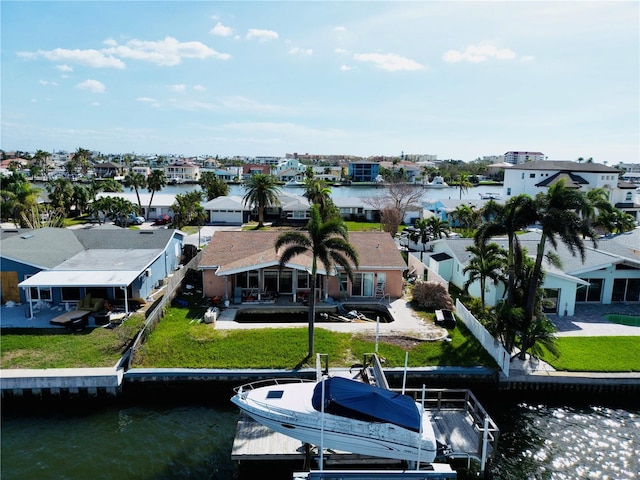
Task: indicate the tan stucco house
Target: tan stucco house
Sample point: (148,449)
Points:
(242,267)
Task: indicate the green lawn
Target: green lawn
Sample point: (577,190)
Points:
(179,342)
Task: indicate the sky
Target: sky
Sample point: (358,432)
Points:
(456,79)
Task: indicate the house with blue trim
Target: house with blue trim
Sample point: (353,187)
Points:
(58,266)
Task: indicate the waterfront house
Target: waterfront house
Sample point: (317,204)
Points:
(182,171)
(56,266)
(364,171)
(242,266)
(536,177)
(227,210)
(161,205)
(108,170)
(609,274)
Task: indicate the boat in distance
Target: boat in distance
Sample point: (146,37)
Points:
(438,182)
(354,417)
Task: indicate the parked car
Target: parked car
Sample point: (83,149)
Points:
(163,219)
(131,219)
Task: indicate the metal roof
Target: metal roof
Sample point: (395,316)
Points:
(81,278)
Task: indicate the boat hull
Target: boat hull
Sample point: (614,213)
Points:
(376,439)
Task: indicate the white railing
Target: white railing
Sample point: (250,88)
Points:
(490,344)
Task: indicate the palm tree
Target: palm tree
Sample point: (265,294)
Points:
(326,242)
(488,262)
(463,183)
(120,209)
(186,208)
(156,181)
(40,158)
(262,192)
(17,195)
(213,185)
(318,193)
(60,193)
(420,232)
(507,220)
(81,159)
(438,227)
(136,181)
(558,214)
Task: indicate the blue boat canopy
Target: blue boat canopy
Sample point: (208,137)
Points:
(361,401)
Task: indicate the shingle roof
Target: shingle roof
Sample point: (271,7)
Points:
(242,250)
(564,165)
(41,247)
(571,180)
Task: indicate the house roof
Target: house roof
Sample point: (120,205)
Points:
(40,247)
(235,251)
(564,165)
(230,202)
(571,180)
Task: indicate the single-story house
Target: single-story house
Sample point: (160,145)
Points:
(610,272)
(241,265)
(58,266)
(229,210)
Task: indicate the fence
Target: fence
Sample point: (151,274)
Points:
(490,344)
(155,313)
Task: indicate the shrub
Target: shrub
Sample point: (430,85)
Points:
(432,295)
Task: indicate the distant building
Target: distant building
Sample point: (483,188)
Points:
(516,158)
(364,171)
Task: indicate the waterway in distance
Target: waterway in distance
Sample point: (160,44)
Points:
(190,435)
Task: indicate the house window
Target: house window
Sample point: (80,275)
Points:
(550,304)
(508,191)
(247,279)
(70,294)
(39,293)
(628,197)
(626,290)
(591,292)
(532,175)
(271,281)
(362,285)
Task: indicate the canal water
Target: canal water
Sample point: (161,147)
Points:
(189,436)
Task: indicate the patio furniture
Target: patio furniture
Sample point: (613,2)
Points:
(92,304)
(73,319)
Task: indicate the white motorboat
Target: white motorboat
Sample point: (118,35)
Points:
(354,417)
(294,184)
(438,182)
(490,196)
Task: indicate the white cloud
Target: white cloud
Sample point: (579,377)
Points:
(300,51)
(180,87)
(246,104)
(199,88)
(262,35)
(90,58)
(339,29)
(166,52)
(47,83)
(95,104)
(478,53)
(389,61)
(64,68)
(145,99)
(221,31)
(345,68)
(93,86)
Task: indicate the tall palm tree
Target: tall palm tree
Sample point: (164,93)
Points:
(558,214)
(507,220)
(262,192)
(463,183)
(156,181)
(318,193)
(213,185)
(136,181)
(60,193)
(81,159)
(488,262)
(327,242)
(438,227)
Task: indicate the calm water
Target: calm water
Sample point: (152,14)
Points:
(191,438)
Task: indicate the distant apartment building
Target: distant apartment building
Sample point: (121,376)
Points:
(182,171)
(267,160)
(364,171)
(517,158)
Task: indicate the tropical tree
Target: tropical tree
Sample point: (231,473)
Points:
(81,197)
(318,192)
(213,185)
(120,210)
(558,215)
(508,219)
(438,227)
(615,221)
(18,195)
(186,208)
(81,160)
(40,158)
(262,192)
(488,262)
(156,181)
(136,181)
(327,242)
(463,183)
(60,193)
(420,232)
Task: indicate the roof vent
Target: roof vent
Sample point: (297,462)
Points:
(26,236)
(146,232)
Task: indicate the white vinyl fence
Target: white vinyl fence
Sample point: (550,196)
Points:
(490,344)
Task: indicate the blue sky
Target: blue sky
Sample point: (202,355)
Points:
(454,79)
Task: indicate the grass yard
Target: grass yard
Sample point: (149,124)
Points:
(53,348)
(596,354)
(177,341)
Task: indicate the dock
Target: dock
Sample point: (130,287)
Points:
(460,423)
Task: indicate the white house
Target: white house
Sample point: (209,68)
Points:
(535,177)
(227,210)
(609,274)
